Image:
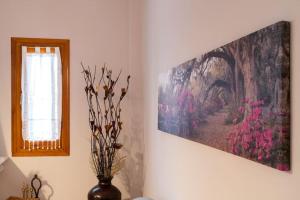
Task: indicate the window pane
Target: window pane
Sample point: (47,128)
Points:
(41,95)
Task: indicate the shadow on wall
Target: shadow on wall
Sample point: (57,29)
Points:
(132,173)
(2,144)
(12,180)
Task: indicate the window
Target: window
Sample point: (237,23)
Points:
(40,97)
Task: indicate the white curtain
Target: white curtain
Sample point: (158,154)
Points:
(41,95)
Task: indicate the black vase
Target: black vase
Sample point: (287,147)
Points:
(104,191)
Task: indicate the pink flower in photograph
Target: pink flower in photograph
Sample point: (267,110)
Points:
(241,109)
(252,138)
(282,166)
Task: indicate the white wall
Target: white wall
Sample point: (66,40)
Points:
(99,31)
(177,169)
(173,31)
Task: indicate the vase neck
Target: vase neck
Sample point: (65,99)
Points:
(104,181)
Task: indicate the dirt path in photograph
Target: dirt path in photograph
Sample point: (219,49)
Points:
(215,131)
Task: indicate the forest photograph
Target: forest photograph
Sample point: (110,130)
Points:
(235,98)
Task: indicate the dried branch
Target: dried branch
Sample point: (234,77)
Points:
(104,118)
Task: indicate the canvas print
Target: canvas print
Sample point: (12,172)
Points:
(235,98)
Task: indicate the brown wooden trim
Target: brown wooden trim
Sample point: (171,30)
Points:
(42,50)
(16,118)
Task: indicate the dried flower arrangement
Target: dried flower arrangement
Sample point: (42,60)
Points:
(104,120)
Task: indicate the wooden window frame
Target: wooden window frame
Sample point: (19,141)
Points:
(16,110)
